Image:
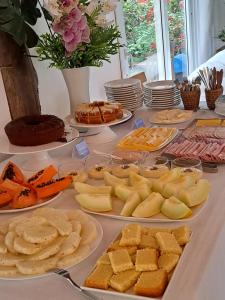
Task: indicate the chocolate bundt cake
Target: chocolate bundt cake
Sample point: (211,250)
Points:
(34,130)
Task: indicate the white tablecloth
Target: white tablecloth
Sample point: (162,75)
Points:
(201,276)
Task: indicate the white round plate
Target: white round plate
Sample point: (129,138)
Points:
(93,246)
(126,116)
(218,112)
(7,148)
(161,84)
(155,121)
(122,83)
(41,203)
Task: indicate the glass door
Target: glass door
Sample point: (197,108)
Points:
(137,23)
(154,35)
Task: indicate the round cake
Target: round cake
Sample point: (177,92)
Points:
(98,112)
(34,130)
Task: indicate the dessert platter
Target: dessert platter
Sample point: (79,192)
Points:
(148,139)
(35,136)
(203,139)
(18,193)
(140,261)
(33,244)
(157,195)
(98,114)
(171,116)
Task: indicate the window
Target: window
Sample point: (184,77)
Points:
(154,33)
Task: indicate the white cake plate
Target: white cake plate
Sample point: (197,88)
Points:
(36,157)
(73,123)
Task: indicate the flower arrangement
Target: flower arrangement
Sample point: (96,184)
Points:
(80,33)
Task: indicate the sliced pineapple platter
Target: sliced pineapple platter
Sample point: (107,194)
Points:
(175,195)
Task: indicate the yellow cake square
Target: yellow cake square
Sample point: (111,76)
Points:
(100,277)
(120,260)
(124,280)
(182,235)
(146,260)
(168,243)
(131,235)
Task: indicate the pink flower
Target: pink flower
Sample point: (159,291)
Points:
(66,3)
(82,24)
(68,36)
(75,15)
(71,46)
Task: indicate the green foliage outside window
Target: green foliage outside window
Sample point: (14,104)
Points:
(140,27)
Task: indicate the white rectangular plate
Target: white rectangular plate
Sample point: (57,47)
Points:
(129,294)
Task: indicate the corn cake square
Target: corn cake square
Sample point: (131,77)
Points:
(120,260)
(116,246)
(124,280)
(100,277)
(131,235)
(151,284)
(168,243)
(104,259)
(146,260)
(154,230)
(168,261)
(148,241)
(182,235)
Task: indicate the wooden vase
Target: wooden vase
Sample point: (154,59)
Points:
(19,78)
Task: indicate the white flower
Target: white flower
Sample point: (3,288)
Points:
(93,4)
(103,20)
(109,6)
(53,7)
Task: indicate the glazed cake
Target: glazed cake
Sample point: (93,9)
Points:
(98,112)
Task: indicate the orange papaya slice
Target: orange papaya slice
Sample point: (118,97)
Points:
(52,187)
(24,198)
(5,198)
(10,187)
(42,175)
(12,172)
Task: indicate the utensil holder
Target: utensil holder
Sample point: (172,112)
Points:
(190,99)
(211,97)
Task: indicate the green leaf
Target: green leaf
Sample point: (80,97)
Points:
(6,14)
(16,29)
(31,37)
(4,3)
(16,3)
(29,11)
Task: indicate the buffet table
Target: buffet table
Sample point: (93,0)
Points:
(201,275)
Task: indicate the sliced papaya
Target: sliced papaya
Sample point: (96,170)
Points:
(52,187)
(12,172)
(5,198)
(24,198)
(10,187)
(43,175)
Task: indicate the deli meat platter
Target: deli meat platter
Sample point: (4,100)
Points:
(203,139)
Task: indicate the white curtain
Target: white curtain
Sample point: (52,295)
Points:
(205,20)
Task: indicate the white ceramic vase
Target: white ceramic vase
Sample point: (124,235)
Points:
(77,81)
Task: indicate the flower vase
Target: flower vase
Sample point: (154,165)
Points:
(77,81)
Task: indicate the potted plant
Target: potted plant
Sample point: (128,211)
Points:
(17,35)
(80,36)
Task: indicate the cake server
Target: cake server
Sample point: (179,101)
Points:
(66,275)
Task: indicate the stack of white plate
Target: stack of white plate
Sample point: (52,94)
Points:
(161,94)
(126,91)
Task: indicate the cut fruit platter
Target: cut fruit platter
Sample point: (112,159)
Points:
(19,193)
(176,195)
